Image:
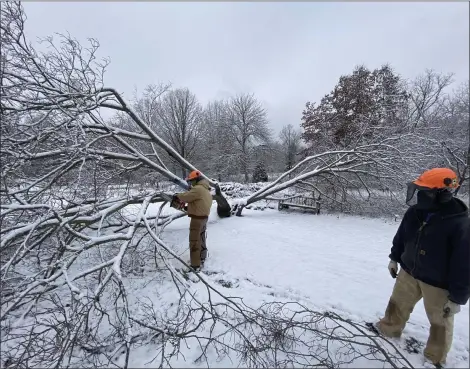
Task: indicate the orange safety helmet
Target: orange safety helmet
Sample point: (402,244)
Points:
(195,175)
(438,178)
(436,183)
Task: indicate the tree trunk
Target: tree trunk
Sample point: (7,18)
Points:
(244,163)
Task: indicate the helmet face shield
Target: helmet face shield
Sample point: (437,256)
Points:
(423,196)
(411,198)
(415,194)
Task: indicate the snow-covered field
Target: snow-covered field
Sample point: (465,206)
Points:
(320,263)
(325,262)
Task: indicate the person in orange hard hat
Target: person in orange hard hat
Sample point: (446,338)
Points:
(432,248)
(199,200)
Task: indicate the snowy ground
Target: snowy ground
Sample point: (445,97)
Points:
(325,262)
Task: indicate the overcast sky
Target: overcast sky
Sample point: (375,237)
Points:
(285,53)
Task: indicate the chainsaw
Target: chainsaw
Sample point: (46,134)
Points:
(175,202)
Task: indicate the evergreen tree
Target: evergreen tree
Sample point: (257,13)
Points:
(362,106)
(260,174)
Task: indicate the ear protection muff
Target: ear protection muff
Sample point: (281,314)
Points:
(448,181)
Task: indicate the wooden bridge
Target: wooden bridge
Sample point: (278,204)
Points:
(302,202)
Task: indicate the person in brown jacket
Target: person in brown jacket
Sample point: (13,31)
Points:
(199,200)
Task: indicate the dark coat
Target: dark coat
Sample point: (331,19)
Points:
(434,247)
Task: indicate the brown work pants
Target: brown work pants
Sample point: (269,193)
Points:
(406,293)
(197,241)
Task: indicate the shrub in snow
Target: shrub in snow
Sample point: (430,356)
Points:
(260,174)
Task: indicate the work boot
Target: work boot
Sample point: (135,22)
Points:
(430,360)
(427,362)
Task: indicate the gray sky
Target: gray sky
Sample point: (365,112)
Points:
(285,53)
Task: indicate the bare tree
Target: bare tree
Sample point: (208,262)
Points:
(452,132)
(55,146)
(426,94)
(220,150)
(290,140)
(148,105)
(275,157)
(441,118)
(180,122)
(248,123)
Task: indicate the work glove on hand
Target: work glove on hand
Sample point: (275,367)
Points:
(451,308)
(393,268)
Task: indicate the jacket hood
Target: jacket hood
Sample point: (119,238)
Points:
(204,183)
(451,209)
(454,208)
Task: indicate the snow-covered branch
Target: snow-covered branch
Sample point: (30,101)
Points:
(375,165)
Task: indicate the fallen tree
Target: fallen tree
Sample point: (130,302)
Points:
(50,107)
(366,167)
(69,242)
